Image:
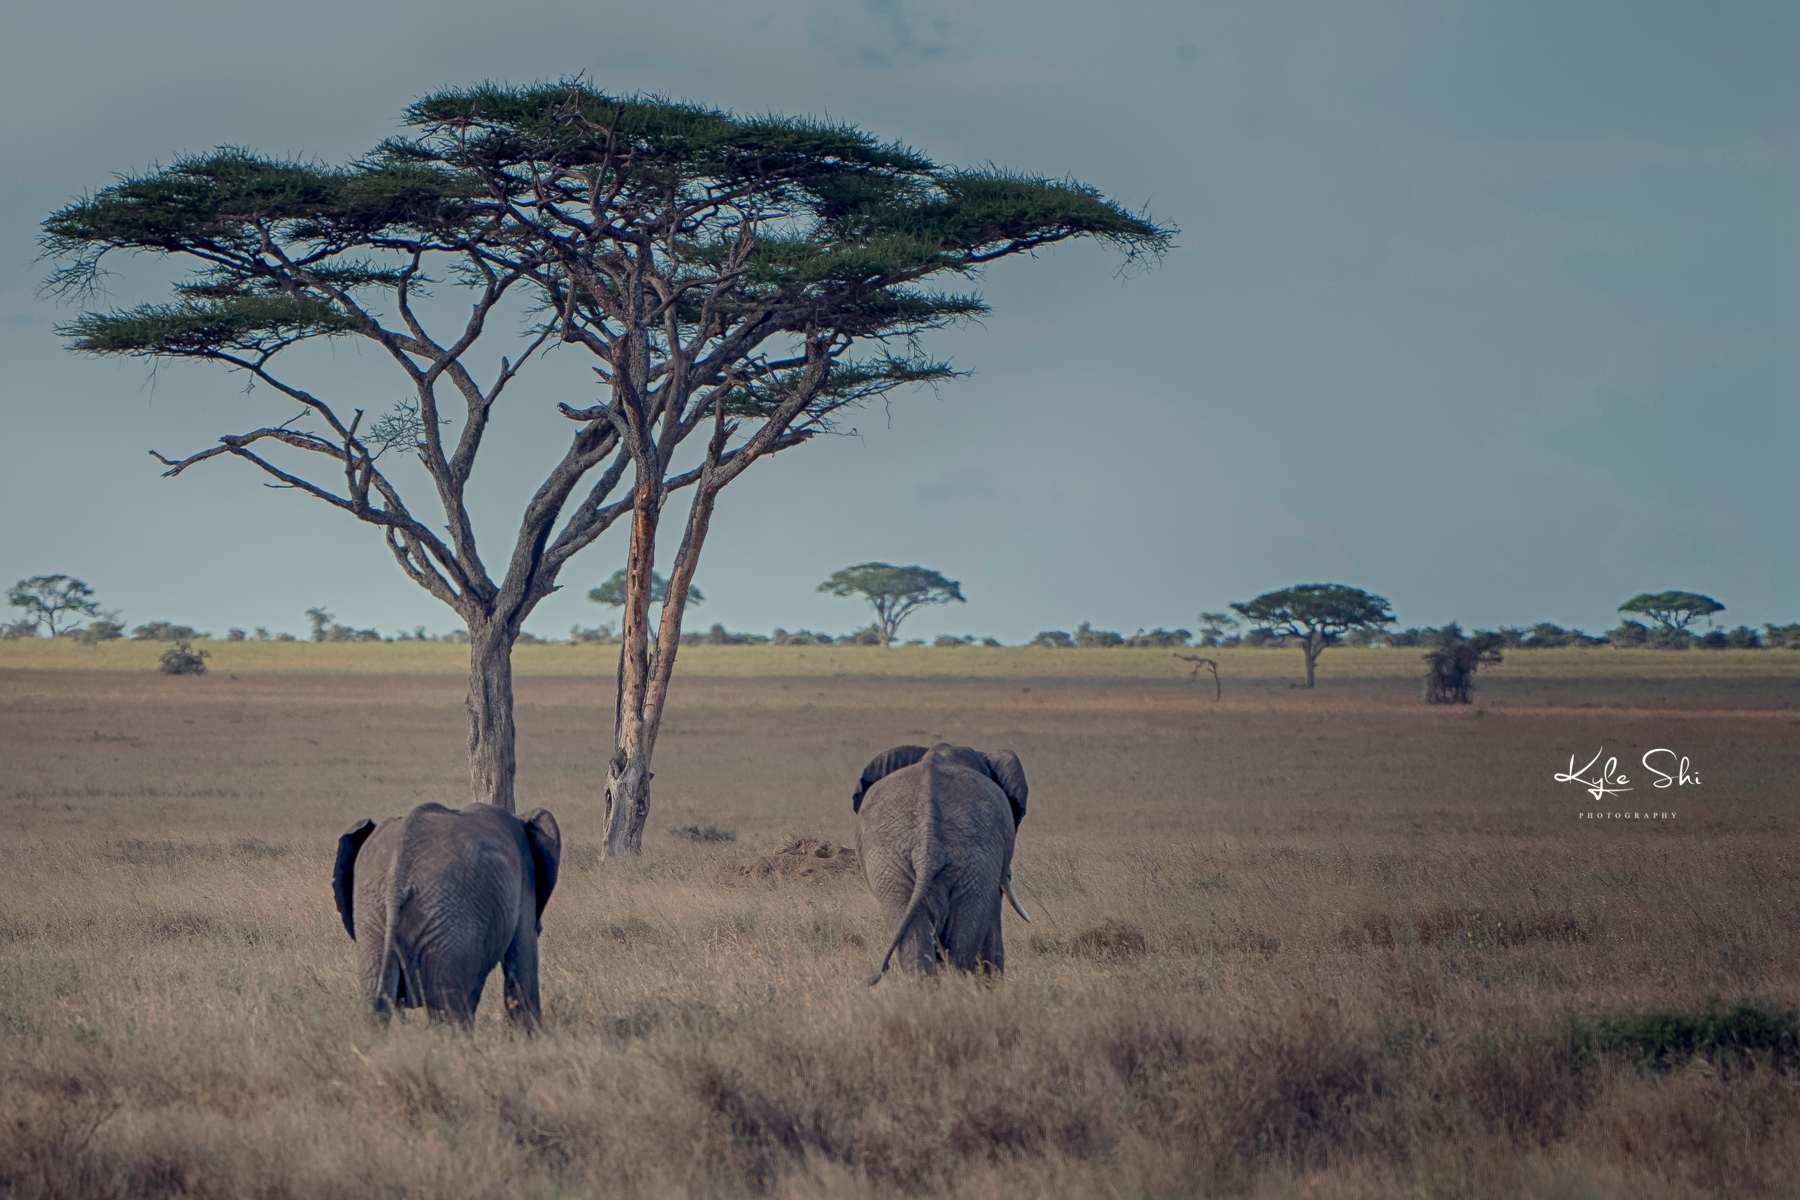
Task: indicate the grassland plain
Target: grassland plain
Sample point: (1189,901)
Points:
(1287,943)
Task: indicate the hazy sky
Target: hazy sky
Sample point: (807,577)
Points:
(1490,309)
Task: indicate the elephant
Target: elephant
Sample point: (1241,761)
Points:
(435,898)
(934,833)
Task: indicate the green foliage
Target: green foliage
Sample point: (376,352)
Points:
(804,637)
(1088,638)
(1320,612)
(1056,639)
(1216,627)
(612,592)
(321,622)
(1665,1038)
(718,635)
(1785,637)
(708,833)
(49,598)
(1741,638)
(165,631)
(599,635)
(1674,611)
(183,659)
(244,324)
(1159,639)
(894,592)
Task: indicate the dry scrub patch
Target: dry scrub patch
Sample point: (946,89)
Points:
(1289,948)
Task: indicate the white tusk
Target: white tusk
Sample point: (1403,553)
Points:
(1006,886)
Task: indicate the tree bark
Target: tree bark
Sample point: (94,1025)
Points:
(492,761)
(1312,650)
(628,771)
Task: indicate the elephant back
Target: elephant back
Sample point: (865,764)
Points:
(881,766)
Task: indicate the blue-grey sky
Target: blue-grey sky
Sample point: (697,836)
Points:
(1489,309)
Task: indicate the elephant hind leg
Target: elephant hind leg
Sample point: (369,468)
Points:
(519,968)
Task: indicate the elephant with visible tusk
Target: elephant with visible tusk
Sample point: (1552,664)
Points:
(435,899)
(934,833)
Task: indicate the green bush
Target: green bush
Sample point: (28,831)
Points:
(1666,1038)
(1087,637)
(165,631)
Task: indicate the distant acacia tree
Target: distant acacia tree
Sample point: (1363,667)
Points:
(721,270)
(895,592)
(52,598)
(1674,611)
(1216,627)
(614,592)
(1315,614)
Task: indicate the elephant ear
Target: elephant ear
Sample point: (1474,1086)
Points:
(1009,773)
(343,876)
(883,765)
(546,853)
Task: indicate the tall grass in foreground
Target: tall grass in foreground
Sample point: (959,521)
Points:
(179,1018)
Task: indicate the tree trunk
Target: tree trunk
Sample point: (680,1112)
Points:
(628,771)
(492,763)
(1312,656)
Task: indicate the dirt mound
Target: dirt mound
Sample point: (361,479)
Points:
(804,858)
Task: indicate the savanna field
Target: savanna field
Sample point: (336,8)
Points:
(1284,943)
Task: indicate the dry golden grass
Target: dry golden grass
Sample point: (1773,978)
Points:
(1326,944)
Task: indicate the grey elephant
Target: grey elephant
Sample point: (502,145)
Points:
(934,833)
(436,898)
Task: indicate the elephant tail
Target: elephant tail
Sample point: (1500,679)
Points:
(921,886)
(399,973)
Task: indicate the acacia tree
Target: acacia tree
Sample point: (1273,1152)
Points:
(720,269)
(1675,611)
(894,592)
(614,592)
(47,598)
(1318,614)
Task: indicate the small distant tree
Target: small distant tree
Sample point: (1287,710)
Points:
(614,594)
(1317,615)
(1674,611)
(165,631)
(1782,637)
(1088,638)
(1216,627)
(53,598)
(1450,665)
(321,623)
(1056,639)
(895,592)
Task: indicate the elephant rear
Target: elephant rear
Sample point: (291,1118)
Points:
(436,899)
(935,831)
